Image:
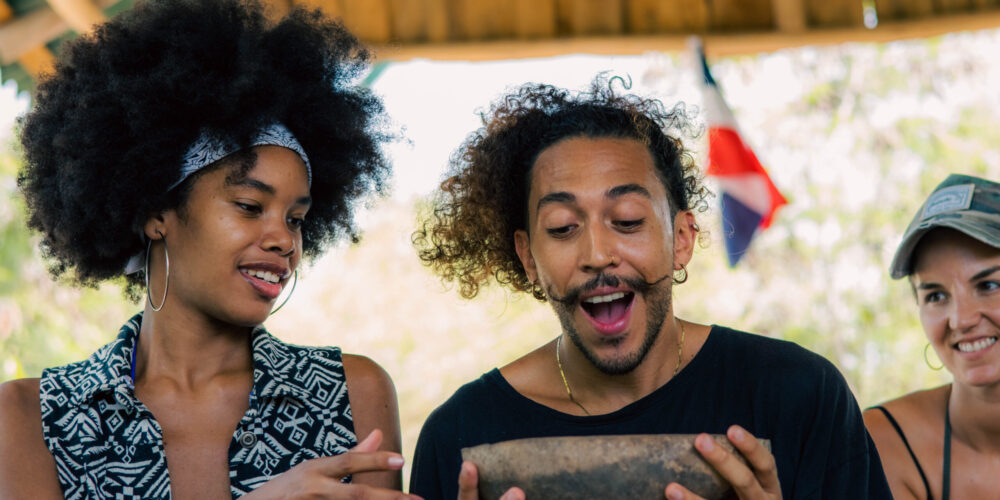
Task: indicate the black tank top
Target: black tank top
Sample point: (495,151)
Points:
(946,467)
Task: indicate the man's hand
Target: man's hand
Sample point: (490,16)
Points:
(758,482)
(468,485)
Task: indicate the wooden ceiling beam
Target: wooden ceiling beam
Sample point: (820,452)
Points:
(6,13)
(32,30)
(715,44)
(81,15)
(789,15)
(38,61)
(590,17)
(535,18)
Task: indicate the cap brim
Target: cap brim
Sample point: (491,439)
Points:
(982,227)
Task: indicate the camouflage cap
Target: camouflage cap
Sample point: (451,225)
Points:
(967,204)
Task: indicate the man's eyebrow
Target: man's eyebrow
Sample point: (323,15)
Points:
(985,272)
(558,197)
(619,191)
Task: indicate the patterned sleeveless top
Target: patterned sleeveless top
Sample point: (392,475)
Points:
(107,445)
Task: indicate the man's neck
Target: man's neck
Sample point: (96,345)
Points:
(601,393)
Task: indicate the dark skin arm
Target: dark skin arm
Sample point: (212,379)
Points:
(27,469)
(373,406)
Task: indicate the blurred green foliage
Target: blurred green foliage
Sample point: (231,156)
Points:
(43,323)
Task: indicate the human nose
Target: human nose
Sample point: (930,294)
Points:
(599,251)
(963,314)
(278,237)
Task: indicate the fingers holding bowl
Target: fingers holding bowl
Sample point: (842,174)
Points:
(753,475)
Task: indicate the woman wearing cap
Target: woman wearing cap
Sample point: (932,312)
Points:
(945,442)
(200,151)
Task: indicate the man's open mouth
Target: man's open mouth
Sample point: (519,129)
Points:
(607,309)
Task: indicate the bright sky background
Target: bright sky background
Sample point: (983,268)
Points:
(436,103)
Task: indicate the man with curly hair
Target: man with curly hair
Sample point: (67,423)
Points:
(200,150)
(587,201)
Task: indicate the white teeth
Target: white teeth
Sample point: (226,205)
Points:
(977,345)
(264,275)
(604,298)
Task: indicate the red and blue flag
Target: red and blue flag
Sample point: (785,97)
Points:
(749,198)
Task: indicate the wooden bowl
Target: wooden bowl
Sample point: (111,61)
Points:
(598,467)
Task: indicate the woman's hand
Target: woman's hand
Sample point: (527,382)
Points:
(757,482)
(319,478)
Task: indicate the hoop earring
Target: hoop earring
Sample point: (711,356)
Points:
(166,279)
(295,281)
(681,280)
(928,361)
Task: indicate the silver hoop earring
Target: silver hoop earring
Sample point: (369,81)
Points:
(166,278)
(295,281)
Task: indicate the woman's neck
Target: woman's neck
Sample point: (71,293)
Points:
(188,351)
(974,413)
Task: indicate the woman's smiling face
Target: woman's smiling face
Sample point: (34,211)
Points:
(237,240)
(957,283)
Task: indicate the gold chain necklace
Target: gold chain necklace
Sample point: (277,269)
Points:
(680,353)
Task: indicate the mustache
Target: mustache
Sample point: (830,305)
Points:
(572,296)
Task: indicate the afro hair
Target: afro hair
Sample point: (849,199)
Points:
(468,237)
(110,126)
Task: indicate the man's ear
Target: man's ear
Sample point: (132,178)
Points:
(522,244)
(685,235)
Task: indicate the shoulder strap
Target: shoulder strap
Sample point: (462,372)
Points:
(946,468)
(899,430)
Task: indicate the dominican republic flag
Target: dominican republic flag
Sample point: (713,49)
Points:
(749,198)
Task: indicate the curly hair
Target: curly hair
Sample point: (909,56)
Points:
(468,235)
(110,126)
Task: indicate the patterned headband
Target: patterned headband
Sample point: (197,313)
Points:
(207,150)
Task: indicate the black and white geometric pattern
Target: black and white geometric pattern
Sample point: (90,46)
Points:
(107,445)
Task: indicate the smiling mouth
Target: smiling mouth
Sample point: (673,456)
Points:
(976,345)
(607,309)
(266,283)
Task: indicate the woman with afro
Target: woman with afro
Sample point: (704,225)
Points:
(199,151)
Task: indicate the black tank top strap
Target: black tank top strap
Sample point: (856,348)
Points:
(899,430)
(946,468)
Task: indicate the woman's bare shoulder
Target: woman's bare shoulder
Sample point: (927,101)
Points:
(27,469)
(920,416)
(19,402)
(924,407)
(367,375)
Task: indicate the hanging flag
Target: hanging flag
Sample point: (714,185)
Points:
(749,198)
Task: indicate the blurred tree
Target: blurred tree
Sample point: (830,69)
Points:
(43,323)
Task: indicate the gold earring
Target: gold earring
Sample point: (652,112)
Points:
(683,279)
(928,361)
